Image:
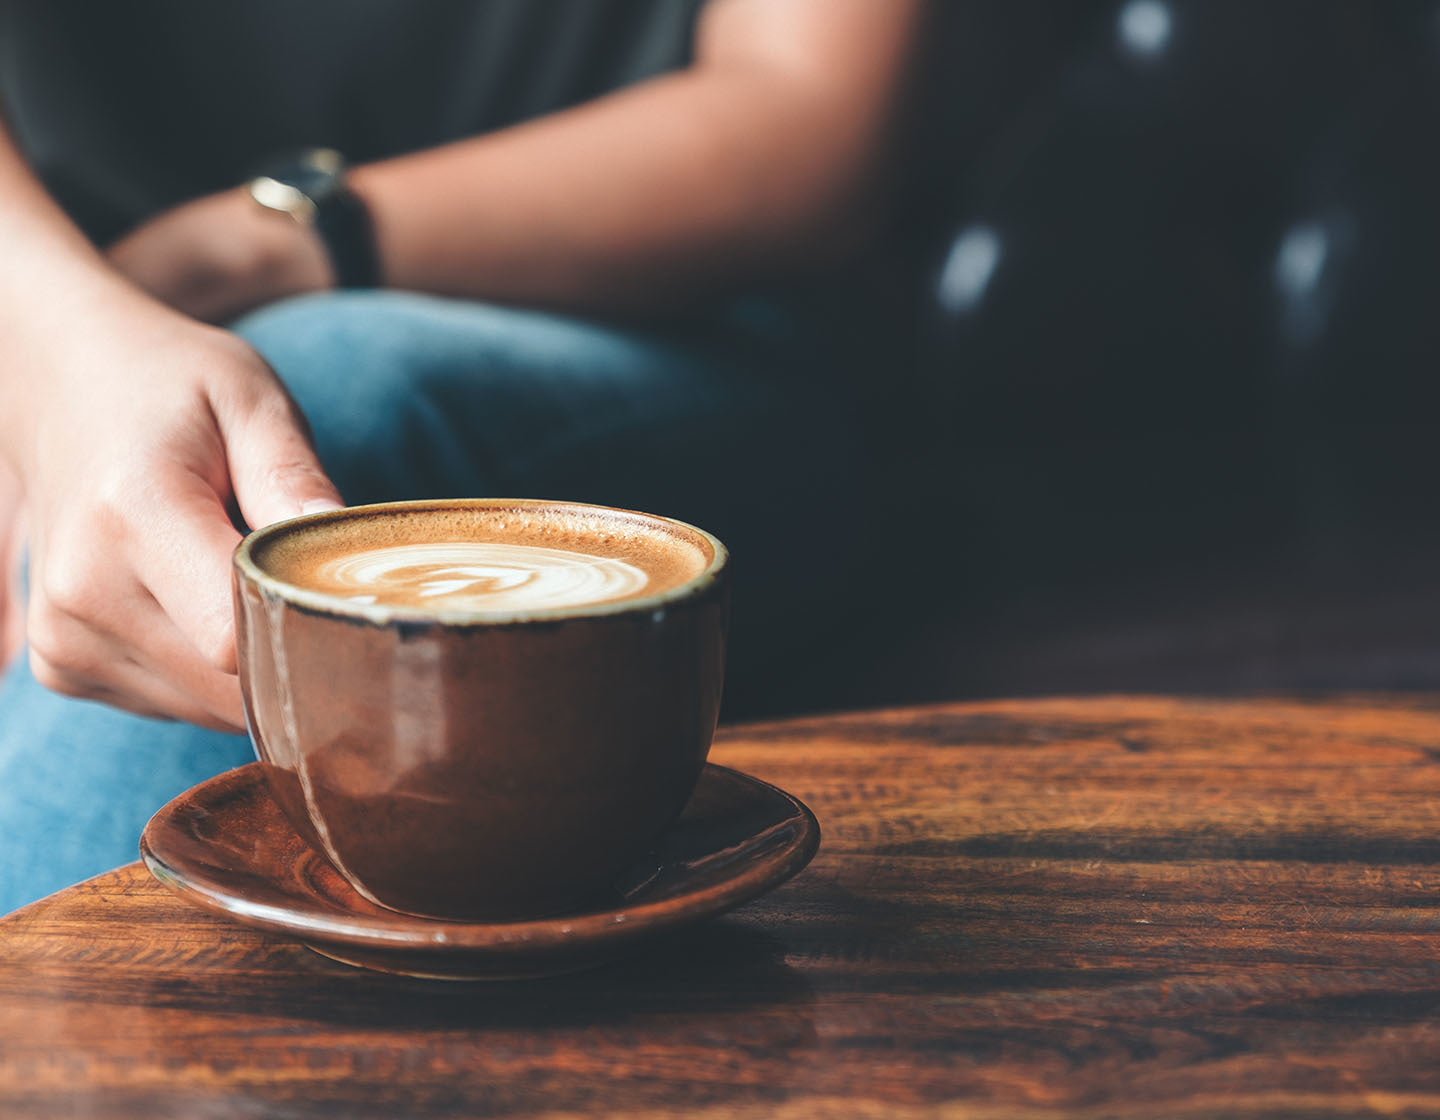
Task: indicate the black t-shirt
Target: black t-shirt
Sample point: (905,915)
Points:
(126,107)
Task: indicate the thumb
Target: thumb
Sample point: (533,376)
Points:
(273,467)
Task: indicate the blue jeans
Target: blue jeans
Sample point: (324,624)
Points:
(738,425)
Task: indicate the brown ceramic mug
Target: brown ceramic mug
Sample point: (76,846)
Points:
(484,758)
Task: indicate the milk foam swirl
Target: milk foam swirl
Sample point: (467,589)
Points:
(479,575)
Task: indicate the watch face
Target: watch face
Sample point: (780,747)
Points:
(314,172)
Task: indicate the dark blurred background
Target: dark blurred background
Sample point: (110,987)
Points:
(1168,421)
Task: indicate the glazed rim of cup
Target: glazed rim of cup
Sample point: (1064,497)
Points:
(381,614)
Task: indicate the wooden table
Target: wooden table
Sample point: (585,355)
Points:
(1099,907)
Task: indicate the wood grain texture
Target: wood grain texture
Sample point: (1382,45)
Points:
(1100,907)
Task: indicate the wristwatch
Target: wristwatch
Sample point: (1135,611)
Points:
(309,187)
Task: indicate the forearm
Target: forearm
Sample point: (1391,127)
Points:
(136,434)
(646,198)
(48,264)
(56,290)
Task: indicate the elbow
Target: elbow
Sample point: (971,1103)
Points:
(834,215)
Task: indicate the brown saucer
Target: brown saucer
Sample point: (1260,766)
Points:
(226,847)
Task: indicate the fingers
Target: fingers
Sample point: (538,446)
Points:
(131,598)
(273,473)
(182,559)
(273,467)
(136,691)
(163,678)
(129,607)
(185,562)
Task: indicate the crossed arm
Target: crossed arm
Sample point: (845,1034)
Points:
(763,156)
(133,427)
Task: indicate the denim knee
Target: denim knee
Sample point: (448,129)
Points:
(353,363)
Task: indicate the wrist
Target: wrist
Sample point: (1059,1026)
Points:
(310,187)
(287,257)
(65,317)
(219,256)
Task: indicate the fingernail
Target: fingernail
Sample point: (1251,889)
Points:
(320,505)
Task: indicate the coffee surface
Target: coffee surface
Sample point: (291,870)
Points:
(479,575)
(486,561)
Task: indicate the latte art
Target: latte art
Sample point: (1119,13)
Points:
(478,575)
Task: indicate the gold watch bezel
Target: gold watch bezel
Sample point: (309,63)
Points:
(282,197)
(286,198)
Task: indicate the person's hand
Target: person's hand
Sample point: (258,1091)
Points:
(222,255)
(136,447)
(12,544)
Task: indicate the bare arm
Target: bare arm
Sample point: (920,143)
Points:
(763,154)
(767,154)
(131,431)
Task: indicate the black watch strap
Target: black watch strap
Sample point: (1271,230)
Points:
(343,223)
